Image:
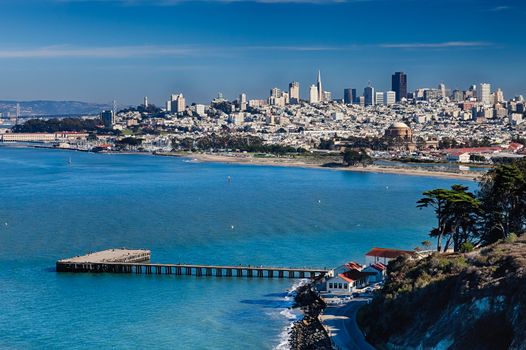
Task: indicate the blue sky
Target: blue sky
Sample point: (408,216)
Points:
(99,50)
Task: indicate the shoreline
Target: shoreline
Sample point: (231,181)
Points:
(308,333)
(243,159)
(247,159)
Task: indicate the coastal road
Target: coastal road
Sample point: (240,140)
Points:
(340,319)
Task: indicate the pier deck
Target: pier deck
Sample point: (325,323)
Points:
(135,262)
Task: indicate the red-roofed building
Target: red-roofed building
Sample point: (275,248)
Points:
(347,282)
(345,267)
(377,272)
(384,255)
(515,147)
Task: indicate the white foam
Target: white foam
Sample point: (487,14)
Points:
(290,315)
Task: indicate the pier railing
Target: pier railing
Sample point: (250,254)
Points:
(190,270)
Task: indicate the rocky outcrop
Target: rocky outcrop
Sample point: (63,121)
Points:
(475,300)
(308,333)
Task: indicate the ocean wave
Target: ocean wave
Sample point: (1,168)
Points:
(289,314)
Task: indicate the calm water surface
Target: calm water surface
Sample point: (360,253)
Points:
(184,212)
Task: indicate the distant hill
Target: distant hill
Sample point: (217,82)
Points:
(58,108)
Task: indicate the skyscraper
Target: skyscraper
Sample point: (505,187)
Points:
(348,97)
(313,94)
(108,118)
(320,88)
(484,93)
(399,85)
(368,94)
(294,92)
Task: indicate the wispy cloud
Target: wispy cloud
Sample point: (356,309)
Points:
(95,52)
(152,51)
(441,45)
(176,2)
(499,8)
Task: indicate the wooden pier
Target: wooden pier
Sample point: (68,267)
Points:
(137,262)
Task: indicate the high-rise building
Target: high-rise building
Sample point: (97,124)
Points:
(294,92)
(390,98)
(108,118)
(348,97)
(484,93)
(399,85)
(145,101)
(361,101)
(368,94)
(320,87)
(313,94)
(458,95)
(327,96)
(275,92)
(243,101)
(379,98)
(442,90)
(355,96)
(499,96)
(178,103)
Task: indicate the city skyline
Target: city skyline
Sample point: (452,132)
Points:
(103,50)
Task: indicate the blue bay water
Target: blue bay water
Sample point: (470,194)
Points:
(184,212)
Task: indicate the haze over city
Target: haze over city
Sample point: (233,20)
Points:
(98,51)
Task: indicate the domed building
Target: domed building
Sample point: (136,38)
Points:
(400,136)
(399,130)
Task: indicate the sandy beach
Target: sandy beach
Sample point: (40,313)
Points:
(242,158)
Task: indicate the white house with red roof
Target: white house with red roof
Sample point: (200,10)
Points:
(347,282)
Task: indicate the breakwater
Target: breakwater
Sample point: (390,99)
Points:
(308,333)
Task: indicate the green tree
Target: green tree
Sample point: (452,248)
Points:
(503,196)
(456,210)
(352,157)
(436,199)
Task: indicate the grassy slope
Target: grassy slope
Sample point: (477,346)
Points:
(453,301)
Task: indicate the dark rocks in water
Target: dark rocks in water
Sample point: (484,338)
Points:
(308,333)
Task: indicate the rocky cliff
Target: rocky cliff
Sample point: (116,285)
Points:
(474,300)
